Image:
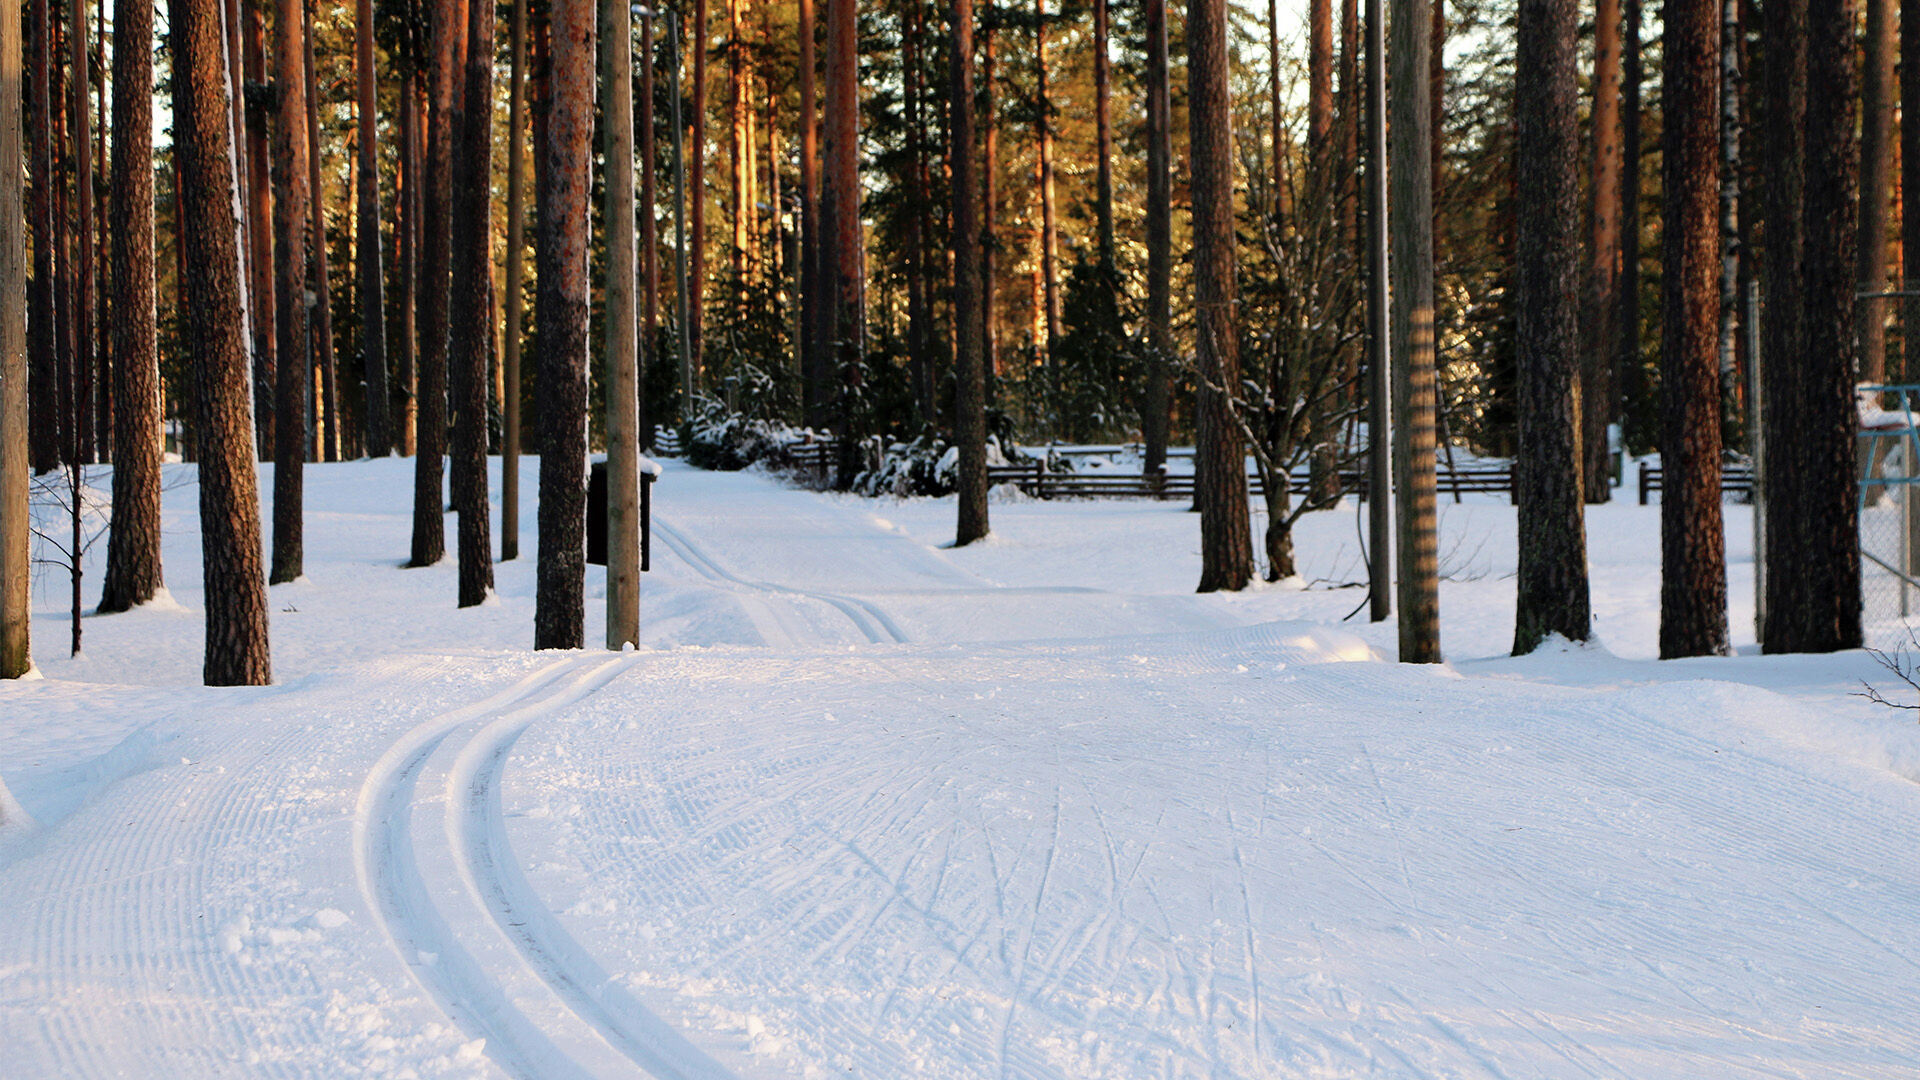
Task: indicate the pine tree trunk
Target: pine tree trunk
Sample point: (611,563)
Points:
(290,220)
(327,446)
(990,196)
(470,302)
(1732,253)
(1782,324)
(42,319)
(235,582)
(1103,140)
(516,286)
(1628,383)
(1220,486)
(1693,573)
(1551,593)
(436,251)
(372,278)
(1049,215)
(258,233)
(1813,575)
(919,310)
(1876,182)
(812,356)
(1159,215)
(79,131)
(970,390)
(133,545)
(739,149)
(1909,184)
(841,252)
(1414,399)
(16,568)
(622,372)
(406,227)
(697,198)
(566,186)
(649,234)
(1602,316)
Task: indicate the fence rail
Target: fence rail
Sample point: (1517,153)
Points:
(1737,479)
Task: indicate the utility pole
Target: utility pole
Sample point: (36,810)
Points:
(623,401)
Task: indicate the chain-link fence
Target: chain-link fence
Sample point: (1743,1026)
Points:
(1889,492)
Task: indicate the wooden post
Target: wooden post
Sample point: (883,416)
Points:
(623,404)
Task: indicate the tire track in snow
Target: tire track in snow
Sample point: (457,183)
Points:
(396,892)
(476,829)
(869,619)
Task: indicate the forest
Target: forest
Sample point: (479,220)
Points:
(1348,242)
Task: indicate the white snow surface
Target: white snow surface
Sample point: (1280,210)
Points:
(865,805)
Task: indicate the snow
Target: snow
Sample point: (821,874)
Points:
(867,805)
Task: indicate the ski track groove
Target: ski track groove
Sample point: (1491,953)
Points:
(866,617)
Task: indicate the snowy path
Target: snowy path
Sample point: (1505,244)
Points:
(869,807)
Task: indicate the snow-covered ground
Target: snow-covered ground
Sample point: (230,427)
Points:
(868,806)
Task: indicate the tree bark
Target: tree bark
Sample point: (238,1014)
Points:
(406,226)
(436,252)
(1551,593)
(1627,381)
(1693,573)
(841,252)
(697,197)
(1226,544)
(1049,216)
(236,595)
(372,279)
(290,220)
(1103,140)
(42,320)
(739,150)
(326,437)
(259,298)
(516,287)
(16,568)
(566,183)
(813,365)
(470,302)
(622,375)
(79,130)
(1910,183)
(1159,229)
(133,545)
(970,391)
(1876,183)
(649,235)
(1603,254)
(990,192)
(919,307)
(1414,399)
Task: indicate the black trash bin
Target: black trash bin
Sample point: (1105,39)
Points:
(597,516)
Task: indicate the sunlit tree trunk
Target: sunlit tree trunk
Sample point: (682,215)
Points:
(1910,183)
(1877,101)
(235,582)
(16,570)
(1226,545)
(1628,383)
(1693,572)
(990,194)
(1551,590)
(327,439)
(970,392)
(842,257)
(367,253)
(1049,215)
(449,35)
(133,546)
(1103,139)
(812,353)
(1603,259)
(623,406)
(697,198)
(516,286)
(1159,229)
(649,234)
(1414,406)
(258,234)
(406,226)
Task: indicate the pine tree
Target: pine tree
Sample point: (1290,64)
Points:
(970,404)
(235,580)
(1552,588)
(470,302)
(622,368)
(1602,314)
(290,222)
(133,546)
(1155,419)
(16,576)
(515,288)
(565,189)
(1877,101)
(449,36)
(1414,392)
(44,437)
(1693,574)
(379,439)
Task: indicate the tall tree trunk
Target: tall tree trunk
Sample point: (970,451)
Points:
(1783,41)
(970,390)
(327,446)
(1628,382)
(1414,399)
(1319,84)
(1103,140)
(990,194)
(133,546)
(16,569)
(290,220)
(1552,588)
(258,232)
(622,374)
(1602,316)
(739,150)
(102,308)
(813,365)
(516,286)
(470,302)
(42,320)
(1693,571)
(919,308)
(211,316)
(1159,228)
(407,244)
(1226,544)
(566,184)
(649,234)
(372,281)
(79,130)
(1813,572)
(1049,216)
(436,248)
(1876,182)
(841,256)
(697,195)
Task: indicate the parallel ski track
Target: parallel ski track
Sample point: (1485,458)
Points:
(397,894)
(870,620)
